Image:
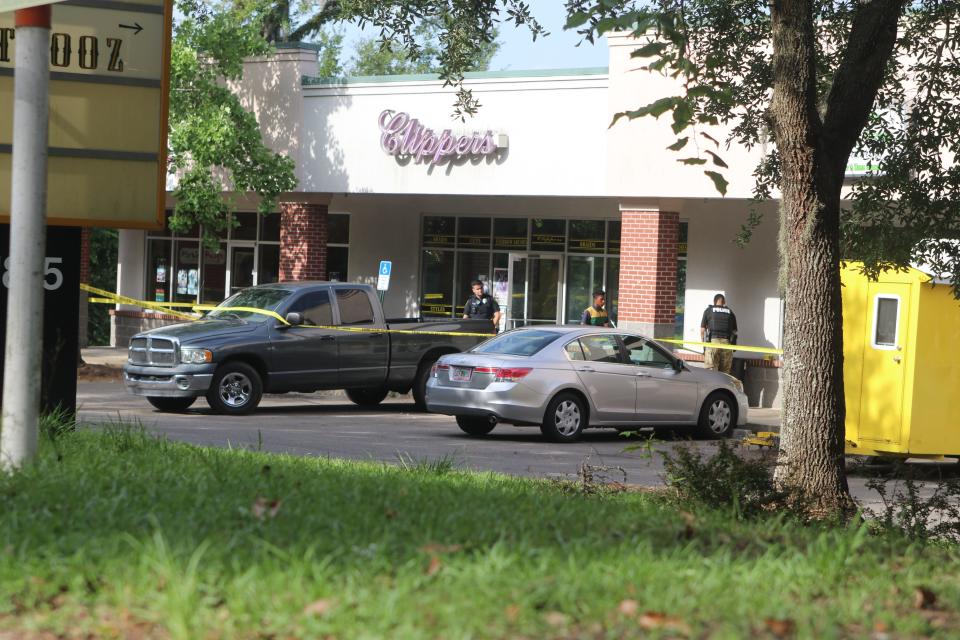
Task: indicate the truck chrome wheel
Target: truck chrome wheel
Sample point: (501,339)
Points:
(235,389)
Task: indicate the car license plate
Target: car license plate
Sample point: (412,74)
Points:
(461,374)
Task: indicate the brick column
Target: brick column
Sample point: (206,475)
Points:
(303,241)
(648,272)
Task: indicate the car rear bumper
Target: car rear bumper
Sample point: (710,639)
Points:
(508,402)
(159,382)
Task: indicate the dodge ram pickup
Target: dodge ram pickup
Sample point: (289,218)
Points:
(298,336)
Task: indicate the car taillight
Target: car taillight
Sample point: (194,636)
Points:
(438,367)
(505,374)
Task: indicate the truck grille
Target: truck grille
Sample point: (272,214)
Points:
(152,351)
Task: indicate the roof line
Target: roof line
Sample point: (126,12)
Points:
(470,75)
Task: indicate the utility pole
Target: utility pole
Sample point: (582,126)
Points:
(28,210)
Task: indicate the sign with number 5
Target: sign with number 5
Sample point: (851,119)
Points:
(48,271)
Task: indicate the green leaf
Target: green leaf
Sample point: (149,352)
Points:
(649,50)
(718,181)
(710,138)
(682,116)
(717,160)
(576,19)
(679,144)
(692,161)
(660,107)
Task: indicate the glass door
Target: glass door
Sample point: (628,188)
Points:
(242,260)
(534,285)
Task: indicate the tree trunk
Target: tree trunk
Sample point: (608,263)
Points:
(810,461)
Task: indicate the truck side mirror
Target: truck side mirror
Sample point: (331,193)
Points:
(294,318)
(678,365)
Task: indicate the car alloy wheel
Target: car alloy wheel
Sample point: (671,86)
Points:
(567,418)
(235,389)
(718,416)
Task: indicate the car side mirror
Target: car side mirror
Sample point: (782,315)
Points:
(678,365)
(294,318)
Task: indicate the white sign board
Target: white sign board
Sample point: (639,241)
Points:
(383,277)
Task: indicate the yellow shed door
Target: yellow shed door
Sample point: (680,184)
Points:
(881,398)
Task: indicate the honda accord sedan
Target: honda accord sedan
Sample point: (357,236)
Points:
(567,379)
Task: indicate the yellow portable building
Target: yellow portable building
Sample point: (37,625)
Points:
(901,374)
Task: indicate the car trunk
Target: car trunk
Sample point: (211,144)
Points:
(478,371)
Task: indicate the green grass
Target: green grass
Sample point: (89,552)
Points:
(116,534)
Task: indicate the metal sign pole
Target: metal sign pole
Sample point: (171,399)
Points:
(28,203)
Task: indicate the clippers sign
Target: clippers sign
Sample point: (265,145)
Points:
(404,136)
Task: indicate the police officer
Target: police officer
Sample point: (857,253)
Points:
(596,314)
(481,305)
(719,325)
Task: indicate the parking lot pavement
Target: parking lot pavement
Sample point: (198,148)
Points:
(329,425)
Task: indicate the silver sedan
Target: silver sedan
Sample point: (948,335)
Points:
(567,379)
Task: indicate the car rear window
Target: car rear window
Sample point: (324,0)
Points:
(518,343)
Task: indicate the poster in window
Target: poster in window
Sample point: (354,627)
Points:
(193,281)
(181,282)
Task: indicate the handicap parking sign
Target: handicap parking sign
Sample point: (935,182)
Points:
(383,280)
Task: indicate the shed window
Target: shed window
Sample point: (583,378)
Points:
(886,319)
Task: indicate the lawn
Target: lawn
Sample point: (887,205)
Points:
(117,534)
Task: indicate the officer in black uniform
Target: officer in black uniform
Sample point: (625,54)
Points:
(719,325)
(481,305)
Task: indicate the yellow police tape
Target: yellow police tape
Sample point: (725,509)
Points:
(107,297)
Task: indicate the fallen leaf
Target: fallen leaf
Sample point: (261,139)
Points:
(434,548)
(265,508)
(781,628)
(628,607)
(512,612)
(923,598)
(390,513)
(555,618)
(318,607)
(880,627)
(435,565)
(652,620)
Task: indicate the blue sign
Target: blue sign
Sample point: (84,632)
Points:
(385,267)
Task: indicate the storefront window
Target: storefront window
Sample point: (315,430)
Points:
(473,233)
(269,269)
(247,229)
(613,287)
(337,258)
(338,228)
(214,276)
(584,276)
(439,231)
(586,236)
(613,236)
(510,233)
(471,265)
(187,283)
(270,227)
(158,270)
(436,283)
(547,235)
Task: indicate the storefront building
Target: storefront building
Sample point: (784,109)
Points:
(537,195)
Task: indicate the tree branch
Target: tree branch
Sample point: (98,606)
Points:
(873,37)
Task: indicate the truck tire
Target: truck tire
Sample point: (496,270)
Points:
(171,405)
(718,416)
(369,397)
(236,389)
(475,425)
(420,384)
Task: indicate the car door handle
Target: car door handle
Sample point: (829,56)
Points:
(327,337)
(376,334)
(588,369)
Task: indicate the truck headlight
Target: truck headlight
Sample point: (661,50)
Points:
(190,355)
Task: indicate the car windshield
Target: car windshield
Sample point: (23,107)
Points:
(256,298)
(518,343)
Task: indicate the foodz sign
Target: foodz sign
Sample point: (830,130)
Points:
(401,135)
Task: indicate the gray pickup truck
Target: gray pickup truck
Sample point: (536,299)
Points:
(234,353)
